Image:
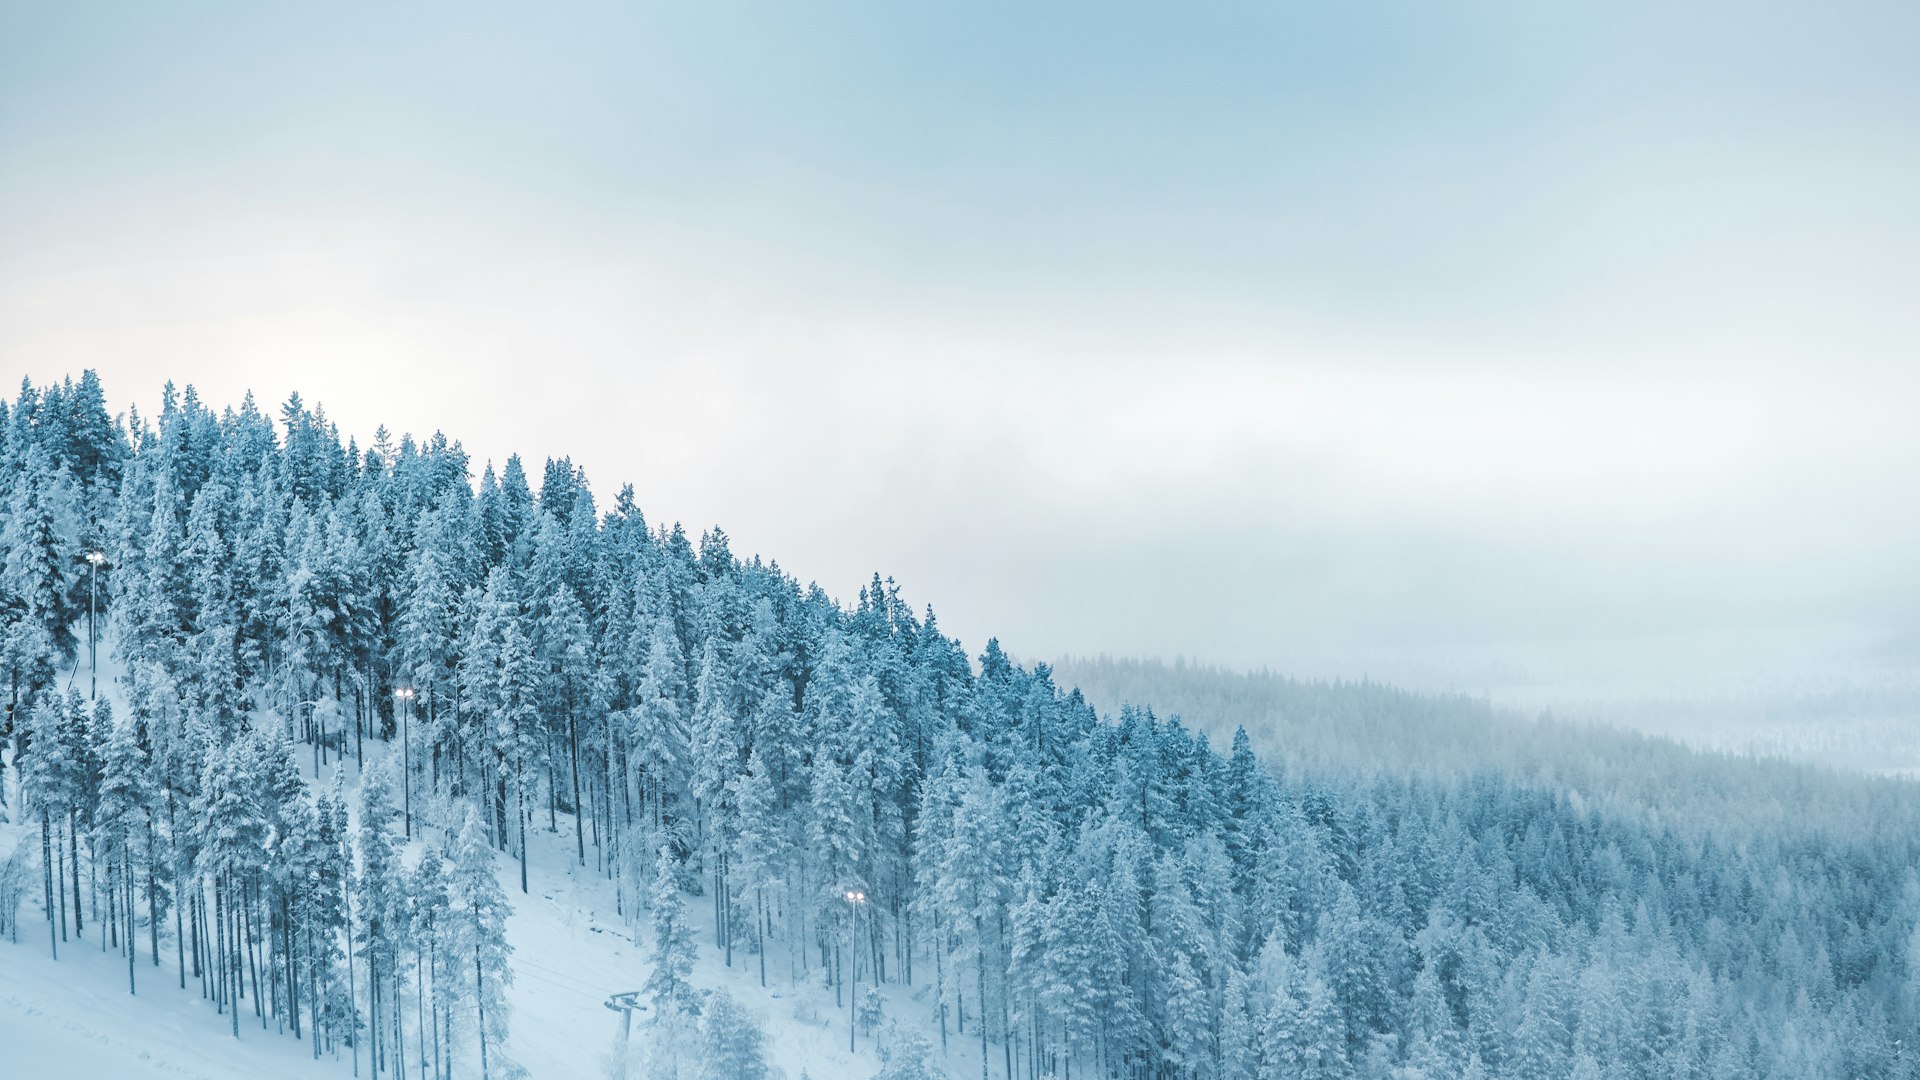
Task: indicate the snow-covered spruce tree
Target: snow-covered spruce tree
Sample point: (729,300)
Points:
(516,733)
(49,782)
(564,648)
(718,746)
(325,911)
(477,938)
(908,1056)
(380,907)
(429,933)
(35,576)
(760,848)
(671,952)
(658,752)
(732,1045)
(120,820)
(232,835)
(674,1005)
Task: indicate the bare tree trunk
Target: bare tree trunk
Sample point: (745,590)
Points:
(433,962)
(126,886)
(230,926)
(553,789)
(253,960)
(46,866)
(153,896)
(480,997)
(73,850)
(353,1000)
(579,812)
(980,970)
(940,992)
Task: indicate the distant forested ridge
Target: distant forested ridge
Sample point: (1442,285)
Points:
(1079,895)
(1349,728)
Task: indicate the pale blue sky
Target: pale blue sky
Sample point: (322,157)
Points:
(1245,331)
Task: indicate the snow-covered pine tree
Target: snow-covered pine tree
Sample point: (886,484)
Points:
(732,1044)
(673,1025)
(428,932)
(477,941)
(760,848)
(120,817)
(380,903)
(671,951)
(717,750)
(516,730)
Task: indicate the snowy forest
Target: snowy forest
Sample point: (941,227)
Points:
(343,691)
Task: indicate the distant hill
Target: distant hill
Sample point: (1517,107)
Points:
(1370,728)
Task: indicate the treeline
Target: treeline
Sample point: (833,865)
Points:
(1361,728)
(852,797)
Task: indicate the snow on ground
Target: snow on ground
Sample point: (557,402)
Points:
(74,1019)
(571,952)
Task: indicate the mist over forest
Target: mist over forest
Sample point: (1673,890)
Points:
(336,757)
(841,540)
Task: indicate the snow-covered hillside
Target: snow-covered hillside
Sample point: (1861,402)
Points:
(669,764)
(74,1019)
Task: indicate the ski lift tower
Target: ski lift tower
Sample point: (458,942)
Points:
(626,1004)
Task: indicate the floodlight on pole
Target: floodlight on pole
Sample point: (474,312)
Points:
(403,697)
(854,899)
(95,560)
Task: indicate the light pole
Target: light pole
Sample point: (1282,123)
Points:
(403,697)
(854,899)
(95,560)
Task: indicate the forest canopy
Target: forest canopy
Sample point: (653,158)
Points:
(1083,894)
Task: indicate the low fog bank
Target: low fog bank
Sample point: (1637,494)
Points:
(1835,695)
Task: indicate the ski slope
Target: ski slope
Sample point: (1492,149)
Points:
(73,1019)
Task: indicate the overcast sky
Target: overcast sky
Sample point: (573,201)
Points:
(1282,333)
